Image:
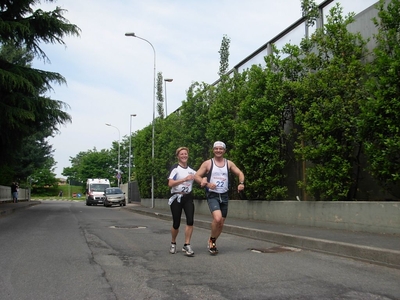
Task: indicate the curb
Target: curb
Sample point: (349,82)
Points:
(380,256)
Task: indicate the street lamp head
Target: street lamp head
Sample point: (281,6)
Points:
(108,124)
(168,79)
(130,34)
(133,115)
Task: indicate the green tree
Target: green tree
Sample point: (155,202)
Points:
(310,10)
(92,164)
(36,153)
(124,159)
(160,96)
(44,179)
(168,137)
(327,108)
(195,122)
(224,55)
(24,108)
(263,116)
(184,127)
(143,162)
(380,120)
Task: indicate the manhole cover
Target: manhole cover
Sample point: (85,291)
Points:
(128,227)
(275,249)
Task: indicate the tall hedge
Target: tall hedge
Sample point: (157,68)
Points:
(320,112)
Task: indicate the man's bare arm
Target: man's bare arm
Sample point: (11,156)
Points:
(198,177)
(235,170)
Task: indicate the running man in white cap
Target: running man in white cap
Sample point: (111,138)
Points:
(213,174)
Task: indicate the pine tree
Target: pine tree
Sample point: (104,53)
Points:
(24,108)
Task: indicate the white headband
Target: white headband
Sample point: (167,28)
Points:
(219,144)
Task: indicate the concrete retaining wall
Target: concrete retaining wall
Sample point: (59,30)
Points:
(374,217)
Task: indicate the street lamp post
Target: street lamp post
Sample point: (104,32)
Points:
(132,34)
(165,83)
(119,154)
(130,156)
(130,145)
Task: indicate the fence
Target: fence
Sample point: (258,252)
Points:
(6,196)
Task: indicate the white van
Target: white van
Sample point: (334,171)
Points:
(95,188)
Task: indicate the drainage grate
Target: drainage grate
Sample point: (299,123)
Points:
(275,249)
(128,227)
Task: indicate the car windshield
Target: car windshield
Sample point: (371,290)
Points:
(98,187)
(113,191)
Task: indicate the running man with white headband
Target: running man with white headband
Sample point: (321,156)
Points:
(216,183)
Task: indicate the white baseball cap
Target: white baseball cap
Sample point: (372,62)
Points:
(219,144)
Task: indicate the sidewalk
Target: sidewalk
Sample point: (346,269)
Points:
(373,248)
(9,207)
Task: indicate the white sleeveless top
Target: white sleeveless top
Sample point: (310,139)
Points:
(219,176)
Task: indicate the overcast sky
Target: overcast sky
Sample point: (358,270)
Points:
(110,76)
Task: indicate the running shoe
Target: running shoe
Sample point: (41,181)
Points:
(172,249)
(188,250)
(212,247)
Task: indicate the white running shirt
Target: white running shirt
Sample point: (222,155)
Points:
(178,172)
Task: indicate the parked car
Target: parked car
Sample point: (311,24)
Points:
(114,196)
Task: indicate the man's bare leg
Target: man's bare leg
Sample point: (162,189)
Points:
(217,225)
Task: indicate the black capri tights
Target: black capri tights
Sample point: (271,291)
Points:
(187,205)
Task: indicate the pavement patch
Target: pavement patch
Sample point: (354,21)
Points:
(128,227)
(277,249)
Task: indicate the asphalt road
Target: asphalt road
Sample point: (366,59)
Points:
(66,250)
